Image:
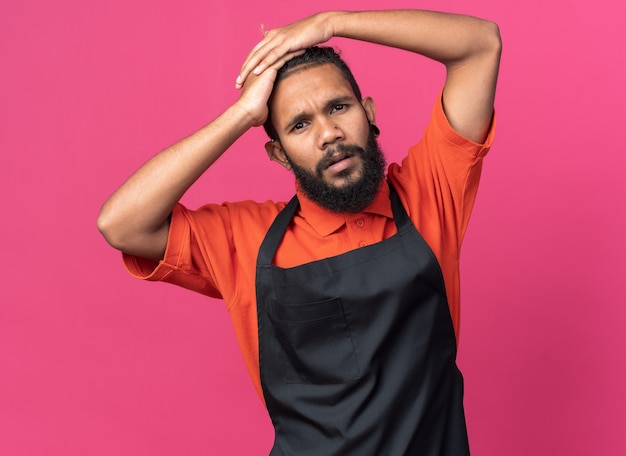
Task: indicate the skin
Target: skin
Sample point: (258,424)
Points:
(468,47)
(313,110)
(135,219)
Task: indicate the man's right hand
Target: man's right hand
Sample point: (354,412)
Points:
(257,89)
(135,219)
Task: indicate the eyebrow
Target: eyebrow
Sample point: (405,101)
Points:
(330,103)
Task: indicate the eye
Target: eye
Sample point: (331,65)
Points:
(339,107)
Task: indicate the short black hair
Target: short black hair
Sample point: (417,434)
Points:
(312,57)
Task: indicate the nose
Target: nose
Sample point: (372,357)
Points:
(329,132)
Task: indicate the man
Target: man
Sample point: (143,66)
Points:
(345,301)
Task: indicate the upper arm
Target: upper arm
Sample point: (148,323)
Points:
(469,91)
(147,245)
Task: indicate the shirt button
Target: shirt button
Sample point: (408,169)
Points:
(360,223)
(362,243)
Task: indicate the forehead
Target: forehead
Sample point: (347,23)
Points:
(309,89)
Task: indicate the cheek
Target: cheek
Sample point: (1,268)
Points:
(301,153)
(358,130)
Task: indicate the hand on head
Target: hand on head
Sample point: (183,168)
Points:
(282,44)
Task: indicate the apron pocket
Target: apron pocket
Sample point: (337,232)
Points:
(315,342)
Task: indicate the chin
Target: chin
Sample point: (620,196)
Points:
(345,178)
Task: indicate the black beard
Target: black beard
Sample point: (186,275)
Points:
(356,194)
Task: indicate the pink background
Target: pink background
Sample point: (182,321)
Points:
(96,363)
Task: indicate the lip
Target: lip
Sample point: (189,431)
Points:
(340,164)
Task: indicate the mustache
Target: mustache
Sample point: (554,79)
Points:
(338,153)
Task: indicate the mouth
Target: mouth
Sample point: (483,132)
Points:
(337,159)
(342,167)
(340,160)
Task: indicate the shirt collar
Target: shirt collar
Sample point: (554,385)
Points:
(326,222)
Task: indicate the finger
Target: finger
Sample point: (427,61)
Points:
(272,52)
(286,58)
(274,67)
(273,40)
(253,58)
(265,54)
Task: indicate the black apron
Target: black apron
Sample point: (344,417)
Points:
(357,351)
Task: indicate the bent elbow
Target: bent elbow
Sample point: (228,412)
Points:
(114,236)
(121,233)
(107,227)
(494,38)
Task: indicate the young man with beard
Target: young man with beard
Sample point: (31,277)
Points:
(345,301)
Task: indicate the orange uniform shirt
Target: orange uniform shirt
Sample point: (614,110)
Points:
(213,250)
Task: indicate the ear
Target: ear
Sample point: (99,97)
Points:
(276,153)
(370,109)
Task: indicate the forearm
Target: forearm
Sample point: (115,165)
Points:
(135,218)
(468,47)
(447,38)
